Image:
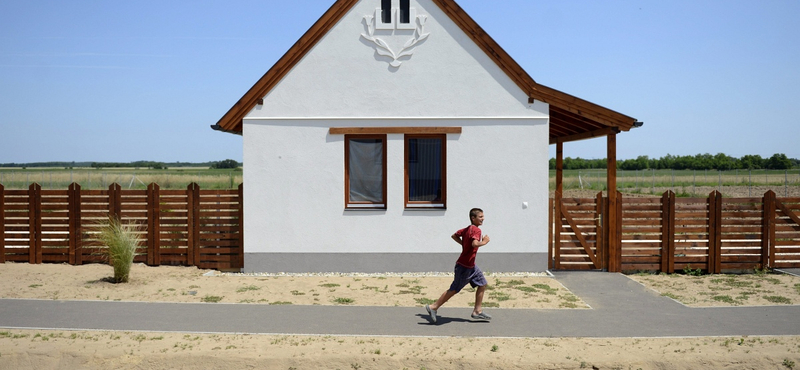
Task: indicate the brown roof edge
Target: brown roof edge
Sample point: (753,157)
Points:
(525,81)
(232,120)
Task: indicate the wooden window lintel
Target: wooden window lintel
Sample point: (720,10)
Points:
(393,130)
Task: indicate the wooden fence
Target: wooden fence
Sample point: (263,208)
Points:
(191,227)
(665,234)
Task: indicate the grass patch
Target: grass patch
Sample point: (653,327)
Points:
(778,299)
(344,300)
(279,303)
(417,289)
(211,299)
(424,301)
(329,285)
(247,288)
(499,296)
(725,299)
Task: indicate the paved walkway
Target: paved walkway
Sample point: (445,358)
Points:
(620,308)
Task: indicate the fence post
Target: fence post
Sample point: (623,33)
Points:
(768,231)
(240,248)
(715,232)
(193,232)
(614,235)
(557,231)
(668,232)
(153,225)
(35,223)
(74,199)
(2,224)
(115,201)
(550,264)
(602,251)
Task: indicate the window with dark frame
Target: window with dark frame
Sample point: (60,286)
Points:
(405,11)
(365,171)
(386,11)
(425,171)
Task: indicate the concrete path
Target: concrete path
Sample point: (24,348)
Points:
(620,308)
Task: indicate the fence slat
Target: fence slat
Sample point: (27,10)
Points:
(240,247)
(192,201)
(768,230)
(35,223)
(153,225)
(2,224)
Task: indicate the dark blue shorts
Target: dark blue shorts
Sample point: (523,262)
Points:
(463,276)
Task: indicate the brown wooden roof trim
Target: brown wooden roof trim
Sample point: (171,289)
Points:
(585,135)
(523,80)
(393,130)
(232,121)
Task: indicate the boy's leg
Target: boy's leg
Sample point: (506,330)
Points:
(479,300)
(443,299)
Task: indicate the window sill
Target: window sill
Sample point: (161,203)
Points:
(425,207)
(365,207)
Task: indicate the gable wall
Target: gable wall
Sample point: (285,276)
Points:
(447,76)
(294,172)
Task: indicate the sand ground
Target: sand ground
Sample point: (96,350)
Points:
(60,349)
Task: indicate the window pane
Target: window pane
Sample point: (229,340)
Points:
(366,170)
(386,11)
(425,170)
(405,12)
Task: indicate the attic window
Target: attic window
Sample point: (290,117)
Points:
(405,11)
(386,11)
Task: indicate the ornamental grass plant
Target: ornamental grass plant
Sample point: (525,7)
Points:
(121,240)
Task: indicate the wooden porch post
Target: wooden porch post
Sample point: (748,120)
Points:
(557,198)
(614,246)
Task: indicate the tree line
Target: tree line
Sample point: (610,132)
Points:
(721,162)
(227,163)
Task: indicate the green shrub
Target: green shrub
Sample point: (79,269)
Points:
(121,240)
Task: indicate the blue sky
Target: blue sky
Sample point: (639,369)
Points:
(124,81)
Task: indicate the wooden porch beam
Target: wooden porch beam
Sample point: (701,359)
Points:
(588,135)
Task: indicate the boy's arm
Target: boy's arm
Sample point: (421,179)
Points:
(456,238)
(481,243)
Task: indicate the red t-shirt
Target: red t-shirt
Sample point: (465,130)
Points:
(468,234)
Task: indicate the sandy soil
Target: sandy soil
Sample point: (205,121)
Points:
(725,290)
(58,349)
(190,284)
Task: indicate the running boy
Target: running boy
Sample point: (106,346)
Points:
(466,271)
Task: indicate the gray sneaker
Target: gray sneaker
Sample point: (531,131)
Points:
(431,312)
(481,316)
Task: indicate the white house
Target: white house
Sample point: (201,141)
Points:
(368,142)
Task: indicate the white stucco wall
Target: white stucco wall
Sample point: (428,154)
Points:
(294,172)
(295,191)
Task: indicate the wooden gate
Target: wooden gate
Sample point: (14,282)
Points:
(577,233)
(784,231)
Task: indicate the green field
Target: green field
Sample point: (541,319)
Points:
(127,178)
(646,181)
(681,181)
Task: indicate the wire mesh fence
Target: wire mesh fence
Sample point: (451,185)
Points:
(689,183)
(177,178)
